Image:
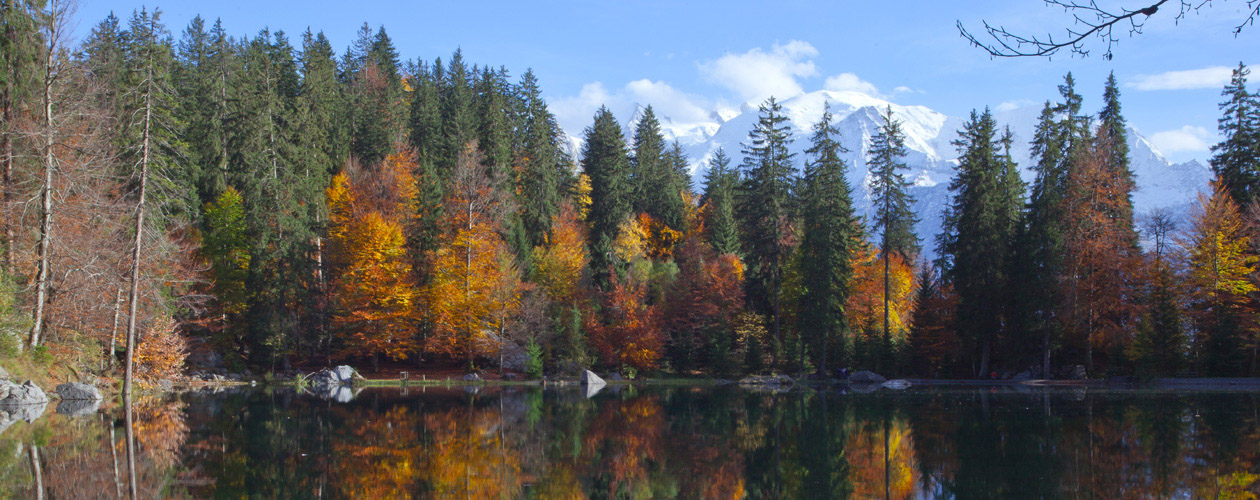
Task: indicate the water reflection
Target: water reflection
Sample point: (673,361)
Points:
(658,443)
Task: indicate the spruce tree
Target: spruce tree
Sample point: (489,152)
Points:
(979,231)
(765,208)
(831,236)
(1111,124)
(720,183)
(458,124)
(605,160)
(1236,159)
(19,48)
(894,220)
(647,160)
(545,168)
(675,188)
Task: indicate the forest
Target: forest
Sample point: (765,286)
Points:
(266,203)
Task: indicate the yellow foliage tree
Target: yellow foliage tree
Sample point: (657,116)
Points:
(374,297)
(865,308)
(559,263)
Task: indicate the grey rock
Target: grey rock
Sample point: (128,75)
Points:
(471,377)
(78,407)
(21,395)
(590,379)
(865,377)
(75,391)
(166,384)
(897,384)
(510,376)
(1022,376)
(4,375)
(345,374)
(1075,372)
(615,377)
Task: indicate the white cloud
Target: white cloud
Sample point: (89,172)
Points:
(1184,139)
(1204,78)
(574,113)
(851,82)
(758,74)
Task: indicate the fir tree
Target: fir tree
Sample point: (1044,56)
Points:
(1236,159)
(605,161)
(458,123)
(830,236)
(765,210)
(1112,125)
(980,227)
(647,161)
(894,219)
(545,168)
(720,183)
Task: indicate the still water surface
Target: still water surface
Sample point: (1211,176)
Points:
(653,443)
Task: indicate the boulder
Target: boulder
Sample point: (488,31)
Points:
(471,377)
(897,384)
(28,413)
(1022,376)
(590,379)
(75,391)
(865,377)
(510,376)
(1075,372)
(345,374)
(615,377)
(13,396)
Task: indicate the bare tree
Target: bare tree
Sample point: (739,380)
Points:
(1159,223)
(1089,21)
(54,28)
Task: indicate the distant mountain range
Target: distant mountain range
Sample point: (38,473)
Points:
(932,159)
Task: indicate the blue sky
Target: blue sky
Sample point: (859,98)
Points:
(689,58)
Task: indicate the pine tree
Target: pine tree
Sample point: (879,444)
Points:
(894,220)
(720,184)
(647,161)
(765,208)
(458,121)
(605,160)
(979,229)
(1236,159)
(831,233)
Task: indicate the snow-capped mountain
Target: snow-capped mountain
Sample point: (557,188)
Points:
(932,159)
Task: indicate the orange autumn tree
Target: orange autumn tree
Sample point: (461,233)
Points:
(630,332)
(373,292)
(464,297)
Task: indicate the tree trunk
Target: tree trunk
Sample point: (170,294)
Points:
(45,225)
(133,296)
(132,487)
(113,334)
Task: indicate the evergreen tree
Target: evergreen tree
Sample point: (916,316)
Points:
(1236,159)
(457,108)
(720,183)
(830,236)
(605,161)
(979,230)
(544,165)
(205,69)
(647,162)
(675,188)
(894,219)
(1112,124)
(765,208)
(1160,343)
(19,48)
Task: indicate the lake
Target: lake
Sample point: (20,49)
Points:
(652,442)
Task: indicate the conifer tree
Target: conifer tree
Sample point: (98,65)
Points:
(830,236)
(605,161)
(545,168)
(980,226)
(1112,123)
(646,161)
(457,111)
(1236,159)
(720,184)
(894,220)
(765,207)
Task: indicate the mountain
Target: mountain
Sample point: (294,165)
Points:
(932,159)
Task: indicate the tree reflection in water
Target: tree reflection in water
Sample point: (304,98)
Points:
(688,443)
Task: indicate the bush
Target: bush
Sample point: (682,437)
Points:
(162,352)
